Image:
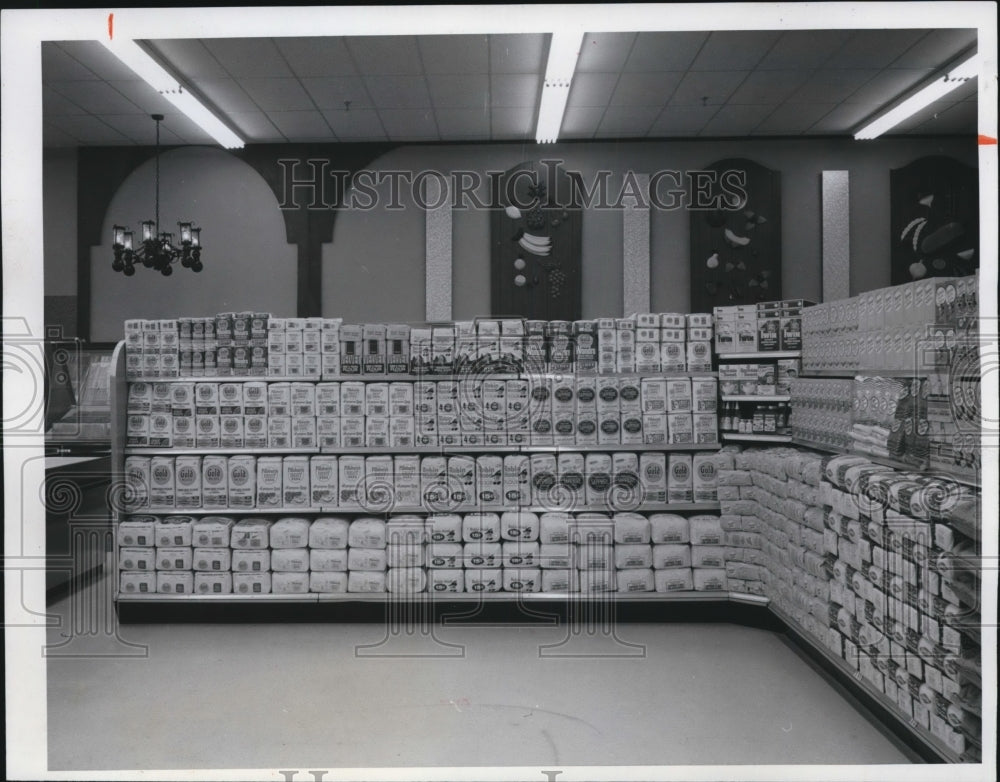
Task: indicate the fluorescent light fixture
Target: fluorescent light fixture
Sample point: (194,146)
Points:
(156,76)
(952,78)
(564,49)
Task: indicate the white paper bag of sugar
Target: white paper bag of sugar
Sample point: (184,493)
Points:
(405,555)
(212,532)
(554,527)
(674,580)
(521,554)
(406,580)
(328,532)
(139,582)
(635,580)
(290,560)
(251,561)
(519,525)
(631,528)
(483,555)
(290,532)
(557,556)
(708,556)
(669,528)
(522,580)
(213,583)
(328,560)
(290,583)
(633,556)
(597,528)
(367,533)
(446,579)
(445,555)
(212,559)
(595,556)
(252,583)
(366,581)
(444,528)
(597,580)
(706,530)
(567,580)
(366,559)
(483,527)
(483,580)
(710,580)
(327,582)
(250,534)
(671,555)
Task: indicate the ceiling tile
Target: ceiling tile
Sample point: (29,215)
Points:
(317,57)
(771,87)
(936,48)
(57,65)
(513,124)
(592,89)
(793,118)
(255,127)
(735,120)
(54,137)
(711,88)
(398,92)
(645,89)
(355,124)
(843,118)
(226,94)
(89,130)
(454,91)
(144,96)
(249,57)
(330,93)
(833,85)
(604,52)
(627,121)
(888,85)
(455,54)
(682,120)
(581,122)
(55,104)
(301,125)
(959,118)
(457,124)
(409,124)
(511,90)
(278,94)
(188,57)
(96,97)
(803,49)
(873,48)
(385,55)
(519,53)
(142,130)
(98,59)
(734,50)
(664,51)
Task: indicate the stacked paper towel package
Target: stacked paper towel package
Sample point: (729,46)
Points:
(384,483)
(878,565)
(258,344)
(513,551)
(473,411)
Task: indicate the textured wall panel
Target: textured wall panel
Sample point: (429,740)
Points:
(635,254)
(836,235)
(439,258)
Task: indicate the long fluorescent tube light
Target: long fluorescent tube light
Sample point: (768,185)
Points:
(564,49)
(150,71)
(954,77)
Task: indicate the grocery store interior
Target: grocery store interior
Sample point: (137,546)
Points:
(537,399)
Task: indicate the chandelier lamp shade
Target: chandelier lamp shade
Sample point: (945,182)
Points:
(156,250)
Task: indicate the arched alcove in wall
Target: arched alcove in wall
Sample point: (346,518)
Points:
(248,264)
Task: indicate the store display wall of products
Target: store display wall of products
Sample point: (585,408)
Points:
(475,552)
(386,483)
(258,344)
(472,411)
(877,565)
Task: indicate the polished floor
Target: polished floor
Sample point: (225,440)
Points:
(328,695)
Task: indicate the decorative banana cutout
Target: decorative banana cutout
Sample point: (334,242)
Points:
(713,261)
(513,212)
(736,241)
(534,249)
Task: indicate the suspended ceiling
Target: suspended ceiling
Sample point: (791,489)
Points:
(479,88)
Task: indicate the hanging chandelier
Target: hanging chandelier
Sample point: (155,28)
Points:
(156,251)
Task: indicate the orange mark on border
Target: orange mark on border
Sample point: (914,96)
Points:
(986,140)
(111,26)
